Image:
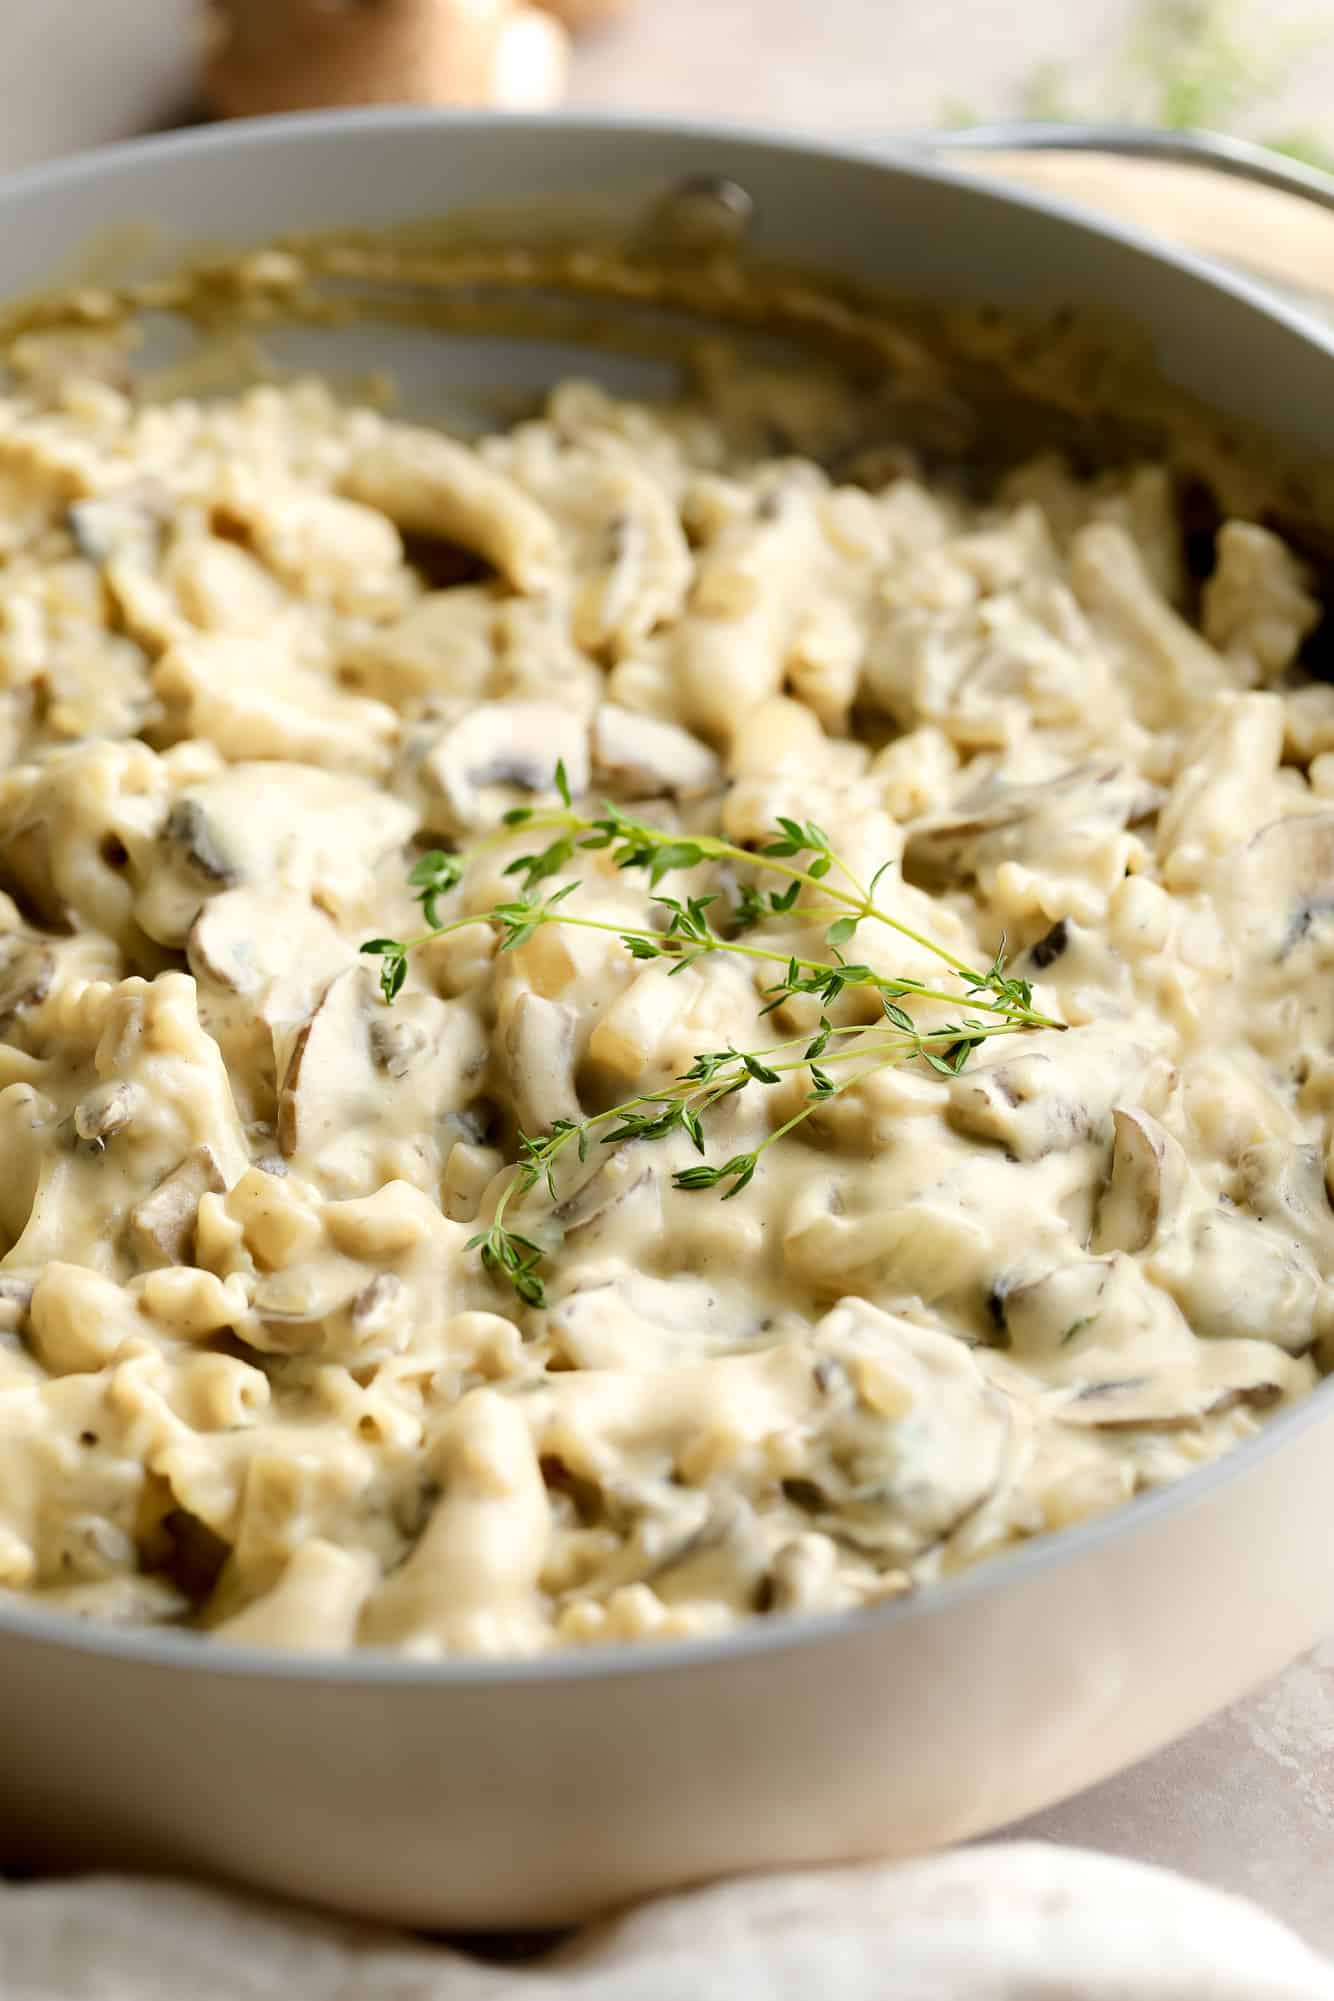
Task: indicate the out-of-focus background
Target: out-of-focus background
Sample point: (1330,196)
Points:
(78,72)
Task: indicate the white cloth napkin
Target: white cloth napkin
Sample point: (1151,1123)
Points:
(1020,1922)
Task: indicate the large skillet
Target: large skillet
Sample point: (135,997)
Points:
(479,1794)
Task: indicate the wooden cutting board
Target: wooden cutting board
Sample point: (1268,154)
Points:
(1277,237)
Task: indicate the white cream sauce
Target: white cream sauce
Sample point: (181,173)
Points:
(250,1376)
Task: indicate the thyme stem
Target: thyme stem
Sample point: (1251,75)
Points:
(802,856)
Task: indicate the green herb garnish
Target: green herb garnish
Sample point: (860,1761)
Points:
(691,928)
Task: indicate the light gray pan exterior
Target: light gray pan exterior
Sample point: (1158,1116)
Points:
(538,1793)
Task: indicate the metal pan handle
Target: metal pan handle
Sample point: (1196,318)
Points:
(1241,158)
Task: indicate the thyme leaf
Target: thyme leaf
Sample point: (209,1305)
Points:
(687,928)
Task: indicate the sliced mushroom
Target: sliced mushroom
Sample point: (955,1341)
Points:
(379,1305)
(188,831)
(499,753)
(724,1559)
(1059,1314)
(640,757)
(345,1119)
(1166,1400)
(1236,1279)
(1050,947)
(618,1175)
(27,970)
(292,1309)
(1283,1185)
(247,940)
(305,1311)
(1280,886)
(162,1226)
(105,1112)
(327,1046)
(1147,1185)
(999,823)
(929,1245)
(1058,1093)
(912,1439)
(276,825)
(261,958)
(15,1302)
(127,522)
(665,1320)
(147,1086)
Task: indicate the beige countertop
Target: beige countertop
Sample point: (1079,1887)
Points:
(1247,1801)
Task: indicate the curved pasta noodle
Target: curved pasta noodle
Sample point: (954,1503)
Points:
(254,1375)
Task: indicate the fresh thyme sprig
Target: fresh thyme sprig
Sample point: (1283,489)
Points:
(690,931)
(801,853)
(682,1106)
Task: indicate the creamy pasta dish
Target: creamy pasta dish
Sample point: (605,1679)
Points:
(840,1083)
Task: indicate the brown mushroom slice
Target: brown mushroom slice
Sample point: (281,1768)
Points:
(280,825)
(931,1244)
(1168,1399)
(1278,888)
(724,1559)
(1056,1315)
(999,823)
(1057,1093)
(27,973)
(140,1084)
(189,833)
(162,1226)
(1283,1185)
(247,939)
(261,958)
(1147,1186)
(304,1311)
(15,1303)
(621,1173)
(74,831)
(290,1310)
(912,1440)
(115,524)
(502,753)
(613,1314)
(327,1078)
(344,1120)
(1237,1279)
(640,757)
